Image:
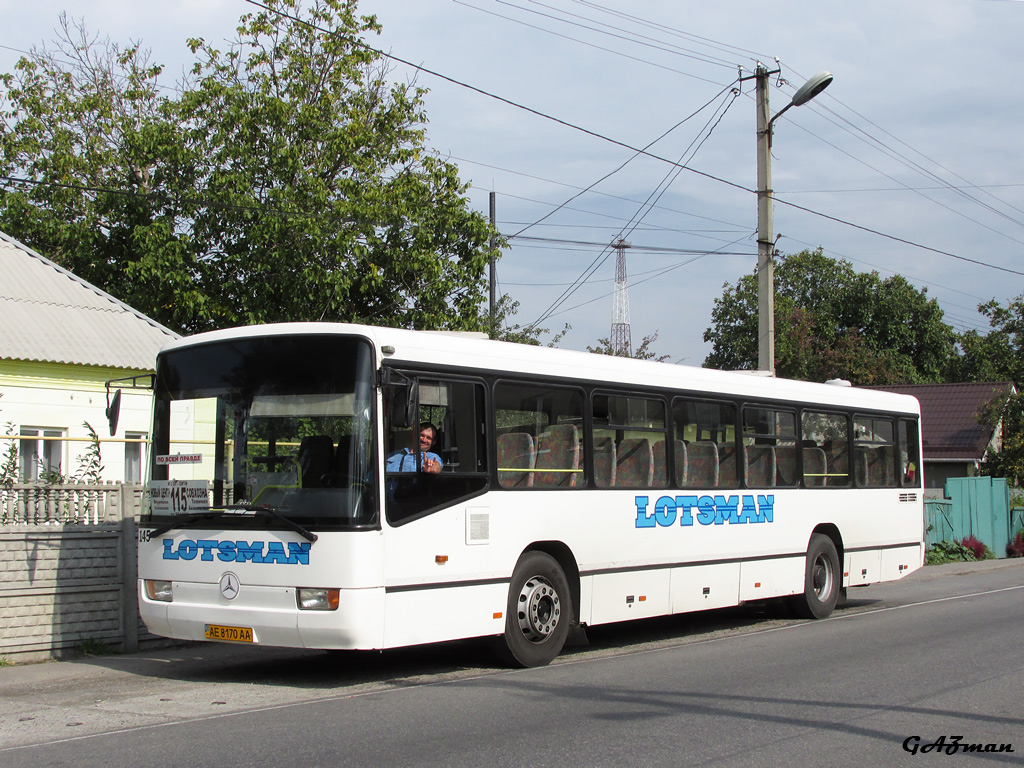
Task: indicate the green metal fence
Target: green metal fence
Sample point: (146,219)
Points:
(974,506)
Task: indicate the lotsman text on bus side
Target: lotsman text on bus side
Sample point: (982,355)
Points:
(707,510)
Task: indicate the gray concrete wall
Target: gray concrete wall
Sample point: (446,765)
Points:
(68,587)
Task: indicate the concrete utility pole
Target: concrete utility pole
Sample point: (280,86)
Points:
(494,247)
(765,236)
(765,244)
(621,342)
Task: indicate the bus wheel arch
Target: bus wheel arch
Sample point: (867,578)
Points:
(823,575)
(541,606)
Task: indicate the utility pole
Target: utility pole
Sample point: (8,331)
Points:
(494,247)
(765,236)
(765,243)
(621,342)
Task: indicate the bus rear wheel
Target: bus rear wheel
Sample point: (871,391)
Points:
(822,581)
(538,614)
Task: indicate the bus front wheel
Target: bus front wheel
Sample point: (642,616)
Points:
(539,612)
(822,580)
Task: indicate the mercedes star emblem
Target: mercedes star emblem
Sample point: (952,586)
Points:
(229,586)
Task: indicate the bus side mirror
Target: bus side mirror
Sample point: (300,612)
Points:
(402,411)
(113,410)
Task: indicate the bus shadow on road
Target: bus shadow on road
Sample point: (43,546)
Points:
(417,665)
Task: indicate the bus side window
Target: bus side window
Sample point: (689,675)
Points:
(910,454)
(769,447)
(874,452)
(550,421)
(704,444)
(824,440)
(455,410)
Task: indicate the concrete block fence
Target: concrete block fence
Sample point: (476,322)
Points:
(68,570)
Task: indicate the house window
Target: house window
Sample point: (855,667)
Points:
(41,453)
(134,456)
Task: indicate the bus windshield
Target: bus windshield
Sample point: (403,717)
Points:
(252,425)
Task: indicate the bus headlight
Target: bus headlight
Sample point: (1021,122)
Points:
(159,590)
(317,599)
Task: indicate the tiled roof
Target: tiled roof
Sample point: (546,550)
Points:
(48,314)
(949,417)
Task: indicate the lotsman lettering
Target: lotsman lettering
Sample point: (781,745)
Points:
(665,511)
(643,520)
(727,510)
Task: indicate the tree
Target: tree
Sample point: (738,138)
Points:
(999,354)
(284,179)
(832,322)
(642,352)
(1006,411)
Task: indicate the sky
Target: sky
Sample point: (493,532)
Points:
(909,163)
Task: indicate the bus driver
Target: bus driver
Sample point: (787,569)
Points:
(405,460)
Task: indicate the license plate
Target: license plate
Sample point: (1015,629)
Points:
(229,634)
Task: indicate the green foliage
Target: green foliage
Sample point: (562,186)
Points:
(90,466)
(506,308)
(1005,411)
(833,322)
(978,548)
(999,354)
(9,460)
(283,179)
(92,646)
(948,552)
(1016,546)
(642,352)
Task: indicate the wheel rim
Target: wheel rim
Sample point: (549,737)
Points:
(822,577)
(539,609)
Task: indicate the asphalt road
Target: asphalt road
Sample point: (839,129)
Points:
(939,654)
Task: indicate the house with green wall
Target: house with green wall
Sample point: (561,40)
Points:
(61,340)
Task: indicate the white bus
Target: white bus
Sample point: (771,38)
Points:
(564,490)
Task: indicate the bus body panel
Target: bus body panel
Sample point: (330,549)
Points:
(703,587)
(436,614)
(776,577)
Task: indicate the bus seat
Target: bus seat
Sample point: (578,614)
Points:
(838,462)
(604,462)
(661,479)
(785,464)
(860,466)
(727,477)
(759,469)
(316,456)
(885,465)
(634,463)
(702,465)
(814,467)
(558,455)
(516,460)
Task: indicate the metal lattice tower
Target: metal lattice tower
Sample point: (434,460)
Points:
(620,338)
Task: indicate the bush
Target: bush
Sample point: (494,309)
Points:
(981,552)
(1016,547)
(948,552)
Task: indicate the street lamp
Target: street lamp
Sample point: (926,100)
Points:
(765,241)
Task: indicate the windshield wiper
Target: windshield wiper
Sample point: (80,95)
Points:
(244,507)
(270,511)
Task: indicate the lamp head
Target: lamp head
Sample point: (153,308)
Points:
(812,88)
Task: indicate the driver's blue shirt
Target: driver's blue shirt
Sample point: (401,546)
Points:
(405,461)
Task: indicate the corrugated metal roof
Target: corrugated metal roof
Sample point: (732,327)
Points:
(949,417)
(48,314)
